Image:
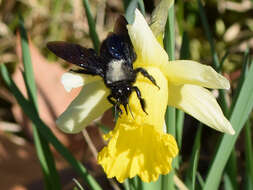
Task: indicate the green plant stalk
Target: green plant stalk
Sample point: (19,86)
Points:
(153,185)
(170,118)
(141,6)
(79,186)
(215,58)
(92,25)
(242,109)
(227,182)
(43,151)
(192,171)
(129,11)
(184,54)
(209,35)
(30,111)
(126,185)
(249,154)
(231,169)
(200,180)
(125,4)
(246,62)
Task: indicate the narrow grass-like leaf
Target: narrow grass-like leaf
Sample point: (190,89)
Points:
(79,186)
(170,118)
(43,151)
(92,25)
(249,155)
(228,185)
(126,185)
(179,127)
(103,128)
(221,98)
(133,183)
(231,168)
(192,171)
(184,54)
(141,6)
(209,35)
(215,58)
(31,112)
(129,13)
(241,111)
(231,171)
(223,59)
(200,180)
(246,62)
(125,4)
(169,44)
(153,185)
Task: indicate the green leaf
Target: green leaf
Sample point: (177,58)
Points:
(249,155)
(129,13)
(200,180)
(170,116)
(246,62)
(126,185)
(92,25)
(153,185)
(79,186)
(240,114)
(42,147)
(192,171)
(227,182)
(141,6)
(31,112)
(231,171)
(209,34)
(184,54)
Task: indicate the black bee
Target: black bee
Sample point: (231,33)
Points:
(114,64)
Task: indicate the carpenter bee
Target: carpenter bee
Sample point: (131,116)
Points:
(114,64)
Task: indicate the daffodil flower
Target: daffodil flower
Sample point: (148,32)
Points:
(138,144)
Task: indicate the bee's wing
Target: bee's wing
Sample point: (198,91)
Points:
(78,55)
(120,26)
(118,44)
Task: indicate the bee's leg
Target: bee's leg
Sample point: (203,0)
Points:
(130,111)
(125,106)
(115,104)
(146,74)
(142,101)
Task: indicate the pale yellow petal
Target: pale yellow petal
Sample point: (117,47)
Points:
(72,80)
(86,107)
(191,72)
(201,104)
(149,51)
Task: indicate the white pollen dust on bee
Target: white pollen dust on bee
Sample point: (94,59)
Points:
(116,71)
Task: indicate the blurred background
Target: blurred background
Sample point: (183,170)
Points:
(231,24)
